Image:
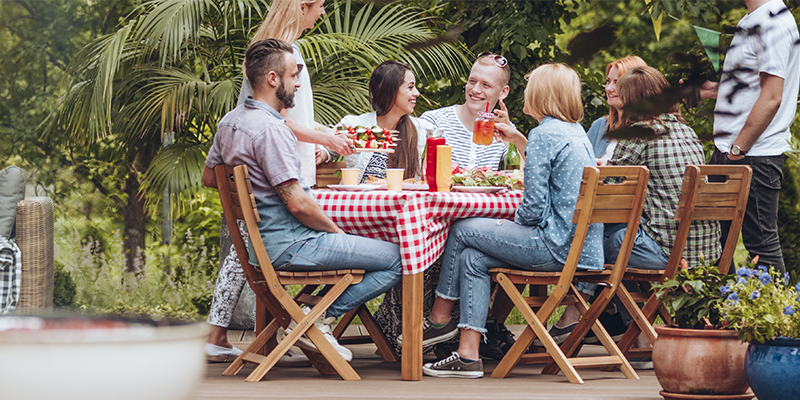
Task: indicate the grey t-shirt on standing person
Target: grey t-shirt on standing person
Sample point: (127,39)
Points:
(254,134)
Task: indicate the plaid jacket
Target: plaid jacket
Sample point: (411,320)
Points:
(667,156)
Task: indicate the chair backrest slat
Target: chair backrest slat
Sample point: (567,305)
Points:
(711,193)
(238,203)
(602,200)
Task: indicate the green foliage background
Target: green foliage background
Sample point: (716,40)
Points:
(96,166)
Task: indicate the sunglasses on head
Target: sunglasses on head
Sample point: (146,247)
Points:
(498,59)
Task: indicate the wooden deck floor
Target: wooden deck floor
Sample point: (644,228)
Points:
(381,380)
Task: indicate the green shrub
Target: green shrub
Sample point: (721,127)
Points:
(64,288)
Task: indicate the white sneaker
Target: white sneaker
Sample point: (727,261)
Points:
(217,354)
(324,325)
(292,359)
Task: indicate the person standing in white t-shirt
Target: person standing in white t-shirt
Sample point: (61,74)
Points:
(756,103)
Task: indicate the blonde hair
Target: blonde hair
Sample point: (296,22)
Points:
(284,21)
(505,74)
(623,65)
(554,90)
(642,83)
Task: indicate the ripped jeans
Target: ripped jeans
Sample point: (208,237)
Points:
(477,244)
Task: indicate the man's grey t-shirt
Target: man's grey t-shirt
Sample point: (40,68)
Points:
(254,134)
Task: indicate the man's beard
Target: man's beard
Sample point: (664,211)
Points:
(285,97)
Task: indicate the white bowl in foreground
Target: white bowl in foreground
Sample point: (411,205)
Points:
(99,358)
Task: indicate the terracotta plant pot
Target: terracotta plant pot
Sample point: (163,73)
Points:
(773,368)
(699,361)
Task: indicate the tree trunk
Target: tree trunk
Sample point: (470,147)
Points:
(135,225)
(140,155)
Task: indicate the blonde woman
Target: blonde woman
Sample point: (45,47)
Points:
(603,146)
(538,239)
(286,20)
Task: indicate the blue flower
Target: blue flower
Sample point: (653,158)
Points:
(733,298)
(762,268)
(743,272)
(742,280)
(756,294)
(797,287)
(785,278)
(764,278)
(788,310)
(724,289)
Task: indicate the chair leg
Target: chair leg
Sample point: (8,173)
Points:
(256,345)
(345,321)
(535,328)
(384,348)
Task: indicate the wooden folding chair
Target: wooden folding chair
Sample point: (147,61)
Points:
(598,202)
(701,200)
(238,203)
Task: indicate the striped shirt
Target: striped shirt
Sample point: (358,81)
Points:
(466,153)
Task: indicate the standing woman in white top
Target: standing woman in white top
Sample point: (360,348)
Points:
(393,95)
(286,20)
(603,146)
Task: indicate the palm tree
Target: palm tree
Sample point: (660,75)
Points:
(174,70)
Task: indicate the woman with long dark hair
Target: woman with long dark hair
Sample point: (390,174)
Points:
(393,95)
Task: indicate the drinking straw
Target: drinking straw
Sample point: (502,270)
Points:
(487,106)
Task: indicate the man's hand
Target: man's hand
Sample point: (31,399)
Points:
(501,115)
(341,144)
(735,158)
(708,90)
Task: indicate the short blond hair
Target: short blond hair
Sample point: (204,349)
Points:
(554,90)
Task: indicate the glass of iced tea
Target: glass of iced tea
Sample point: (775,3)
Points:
(483,131)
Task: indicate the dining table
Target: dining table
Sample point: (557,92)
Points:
(419,222)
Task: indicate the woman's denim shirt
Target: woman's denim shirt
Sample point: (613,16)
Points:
(556,153)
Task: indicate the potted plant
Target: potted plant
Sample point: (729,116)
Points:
(765,310)
(697,355)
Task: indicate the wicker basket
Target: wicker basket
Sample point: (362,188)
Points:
(35,241)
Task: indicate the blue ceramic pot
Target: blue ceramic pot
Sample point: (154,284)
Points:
(773,369)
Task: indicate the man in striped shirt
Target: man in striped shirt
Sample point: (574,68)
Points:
(487,83)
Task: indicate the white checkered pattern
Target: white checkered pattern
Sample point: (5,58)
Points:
(417,221)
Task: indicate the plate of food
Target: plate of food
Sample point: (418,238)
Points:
(479,189)
(373,139)
(354,188)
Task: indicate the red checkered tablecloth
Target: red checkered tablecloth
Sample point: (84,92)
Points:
(417,221)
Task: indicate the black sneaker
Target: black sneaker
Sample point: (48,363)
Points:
(614,326)
(490,347)
(505,338)
(432,335)
(497,340)
(454,367)
(559,335)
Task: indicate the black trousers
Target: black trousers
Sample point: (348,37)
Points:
(760,224)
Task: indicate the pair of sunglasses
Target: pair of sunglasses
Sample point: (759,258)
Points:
(498,59)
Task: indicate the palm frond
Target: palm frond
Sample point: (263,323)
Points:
(177,168)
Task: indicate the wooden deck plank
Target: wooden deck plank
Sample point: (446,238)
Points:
(381,380)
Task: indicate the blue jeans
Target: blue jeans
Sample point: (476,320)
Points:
(646,252)
(331,251)
(477,244)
